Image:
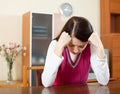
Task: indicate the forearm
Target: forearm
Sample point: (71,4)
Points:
(97,45)
(58,50)
(61,43)
(50,70)
(100,68)
(100,52)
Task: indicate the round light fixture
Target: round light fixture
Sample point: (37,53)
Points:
(66,9)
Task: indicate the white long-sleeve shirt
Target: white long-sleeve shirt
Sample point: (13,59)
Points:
(100,67)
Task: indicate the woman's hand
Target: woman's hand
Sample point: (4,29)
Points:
(64,39)
(96,42)
(62,42)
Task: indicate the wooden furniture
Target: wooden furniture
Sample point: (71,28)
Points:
(4,84)
(110,33)
(38,31)
(27,69)
(91,88)
(25,82)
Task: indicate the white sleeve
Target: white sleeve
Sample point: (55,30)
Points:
(52,64)
(100,68)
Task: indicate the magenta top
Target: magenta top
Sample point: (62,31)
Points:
(70,72)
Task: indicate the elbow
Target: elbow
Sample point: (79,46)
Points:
(104,81)
(45,83)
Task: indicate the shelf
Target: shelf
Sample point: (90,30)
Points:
(4,84)
(110,33)
(94,80)
(37,37)
(115,6)
(115,23)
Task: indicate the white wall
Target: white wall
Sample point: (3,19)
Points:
(11,12)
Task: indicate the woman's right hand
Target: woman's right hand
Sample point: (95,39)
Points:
(62,42)
(64,39)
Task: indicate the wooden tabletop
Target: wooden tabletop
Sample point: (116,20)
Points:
(91,88)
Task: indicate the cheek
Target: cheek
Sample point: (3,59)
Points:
(70,49)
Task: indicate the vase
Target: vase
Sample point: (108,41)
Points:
(9,74)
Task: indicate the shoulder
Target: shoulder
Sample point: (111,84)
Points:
(52,44)
(54,41)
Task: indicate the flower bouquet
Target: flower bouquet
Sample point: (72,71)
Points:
(10,52)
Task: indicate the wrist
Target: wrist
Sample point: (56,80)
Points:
(58,50)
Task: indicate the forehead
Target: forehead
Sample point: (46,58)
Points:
(75,41)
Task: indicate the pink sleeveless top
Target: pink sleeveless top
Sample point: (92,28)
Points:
(76,72)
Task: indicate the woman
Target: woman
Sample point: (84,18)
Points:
(72,53)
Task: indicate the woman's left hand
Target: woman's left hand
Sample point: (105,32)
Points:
(95,40)
(98,46)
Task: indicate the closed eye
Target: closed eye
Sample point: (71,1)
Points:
(81,46)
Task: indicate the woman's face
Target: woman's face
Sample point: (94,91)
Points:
(76,46)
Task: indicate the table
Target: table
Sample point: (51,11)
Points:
(91,88)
